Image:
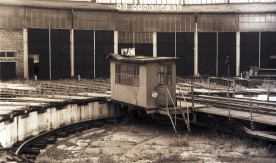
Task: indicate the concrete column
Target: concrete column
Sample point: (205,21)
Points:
(72,54)
(25,53)
(154,42)
(116,42)
(238,55)
(50,55)
(217,55)
(174,44)
(196,51)
(94,53)
(260,41)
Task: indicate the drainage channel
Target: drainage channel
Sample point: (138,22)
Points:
(28,150)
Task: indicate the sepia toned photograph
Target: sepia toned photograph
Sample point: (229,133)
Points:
(137,81)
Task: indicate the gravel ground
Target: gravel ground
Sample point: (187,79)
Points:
(151,142)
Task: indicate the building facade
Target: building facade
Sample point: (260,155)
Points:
(55,39)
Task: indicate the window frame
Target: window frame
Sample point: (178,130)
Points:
(165,74)
(7,53)
(127,74)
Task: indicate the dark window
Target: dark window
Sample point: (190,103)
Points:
(10,54)
(165,75)
(7,54)
(2,54)
(127,74)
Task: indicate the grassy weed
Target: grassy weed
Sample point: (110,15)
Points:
(106,159)
(45,159)
(162,158)
(180,141)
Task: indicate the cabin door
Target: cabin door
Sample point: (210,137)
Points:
(164,88)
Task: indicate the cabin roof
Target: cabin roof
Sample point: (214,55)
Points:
(140,59)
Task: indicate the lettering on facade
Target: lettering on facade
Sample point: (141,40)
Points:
(149,7)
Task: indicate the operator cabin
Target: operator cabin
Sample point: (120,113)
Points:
(143,82)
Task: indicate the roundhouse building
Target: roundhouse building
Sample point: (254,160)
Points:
(63,39)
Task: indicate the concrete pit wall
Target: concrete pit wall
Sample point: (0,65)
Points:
(21,127)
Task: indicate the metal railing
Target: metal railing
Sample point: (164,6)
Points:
(187,121)
(167,104)
(167,95)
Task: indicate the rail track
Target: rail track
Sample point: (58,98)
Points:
(31,148)
(256,106)
(214,93)
(28,150)
(242,115)
(46,88)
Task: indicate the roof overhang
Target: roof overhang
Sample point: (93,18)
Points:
(53,4)
(231,8)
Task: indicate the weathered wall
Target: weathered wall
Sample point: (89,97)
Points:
(129,94)
(152,82)
(135,30)
(33,123)
(12,39)
(16,17)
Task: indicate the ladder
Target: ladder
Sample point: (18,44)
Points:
(187,120)
(173,122)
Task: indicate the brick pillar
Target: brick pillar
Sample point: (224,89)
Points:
(12,40)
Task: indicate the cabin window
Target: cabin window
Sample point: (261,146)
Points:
(165,75)
(127,74)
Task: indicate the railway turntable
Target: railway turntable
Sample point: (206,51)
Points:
(148,83)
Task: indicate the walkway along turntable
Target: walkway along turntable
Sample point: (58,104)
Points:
(149,84)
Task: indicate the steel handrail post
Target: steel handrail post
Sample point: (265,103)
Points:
(180,89)
(173,104)
(250,104)
(209,85)
(234,88)
(188,117)
(192,90)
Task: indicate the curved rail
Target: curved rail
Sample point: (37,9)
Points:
(64,131)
